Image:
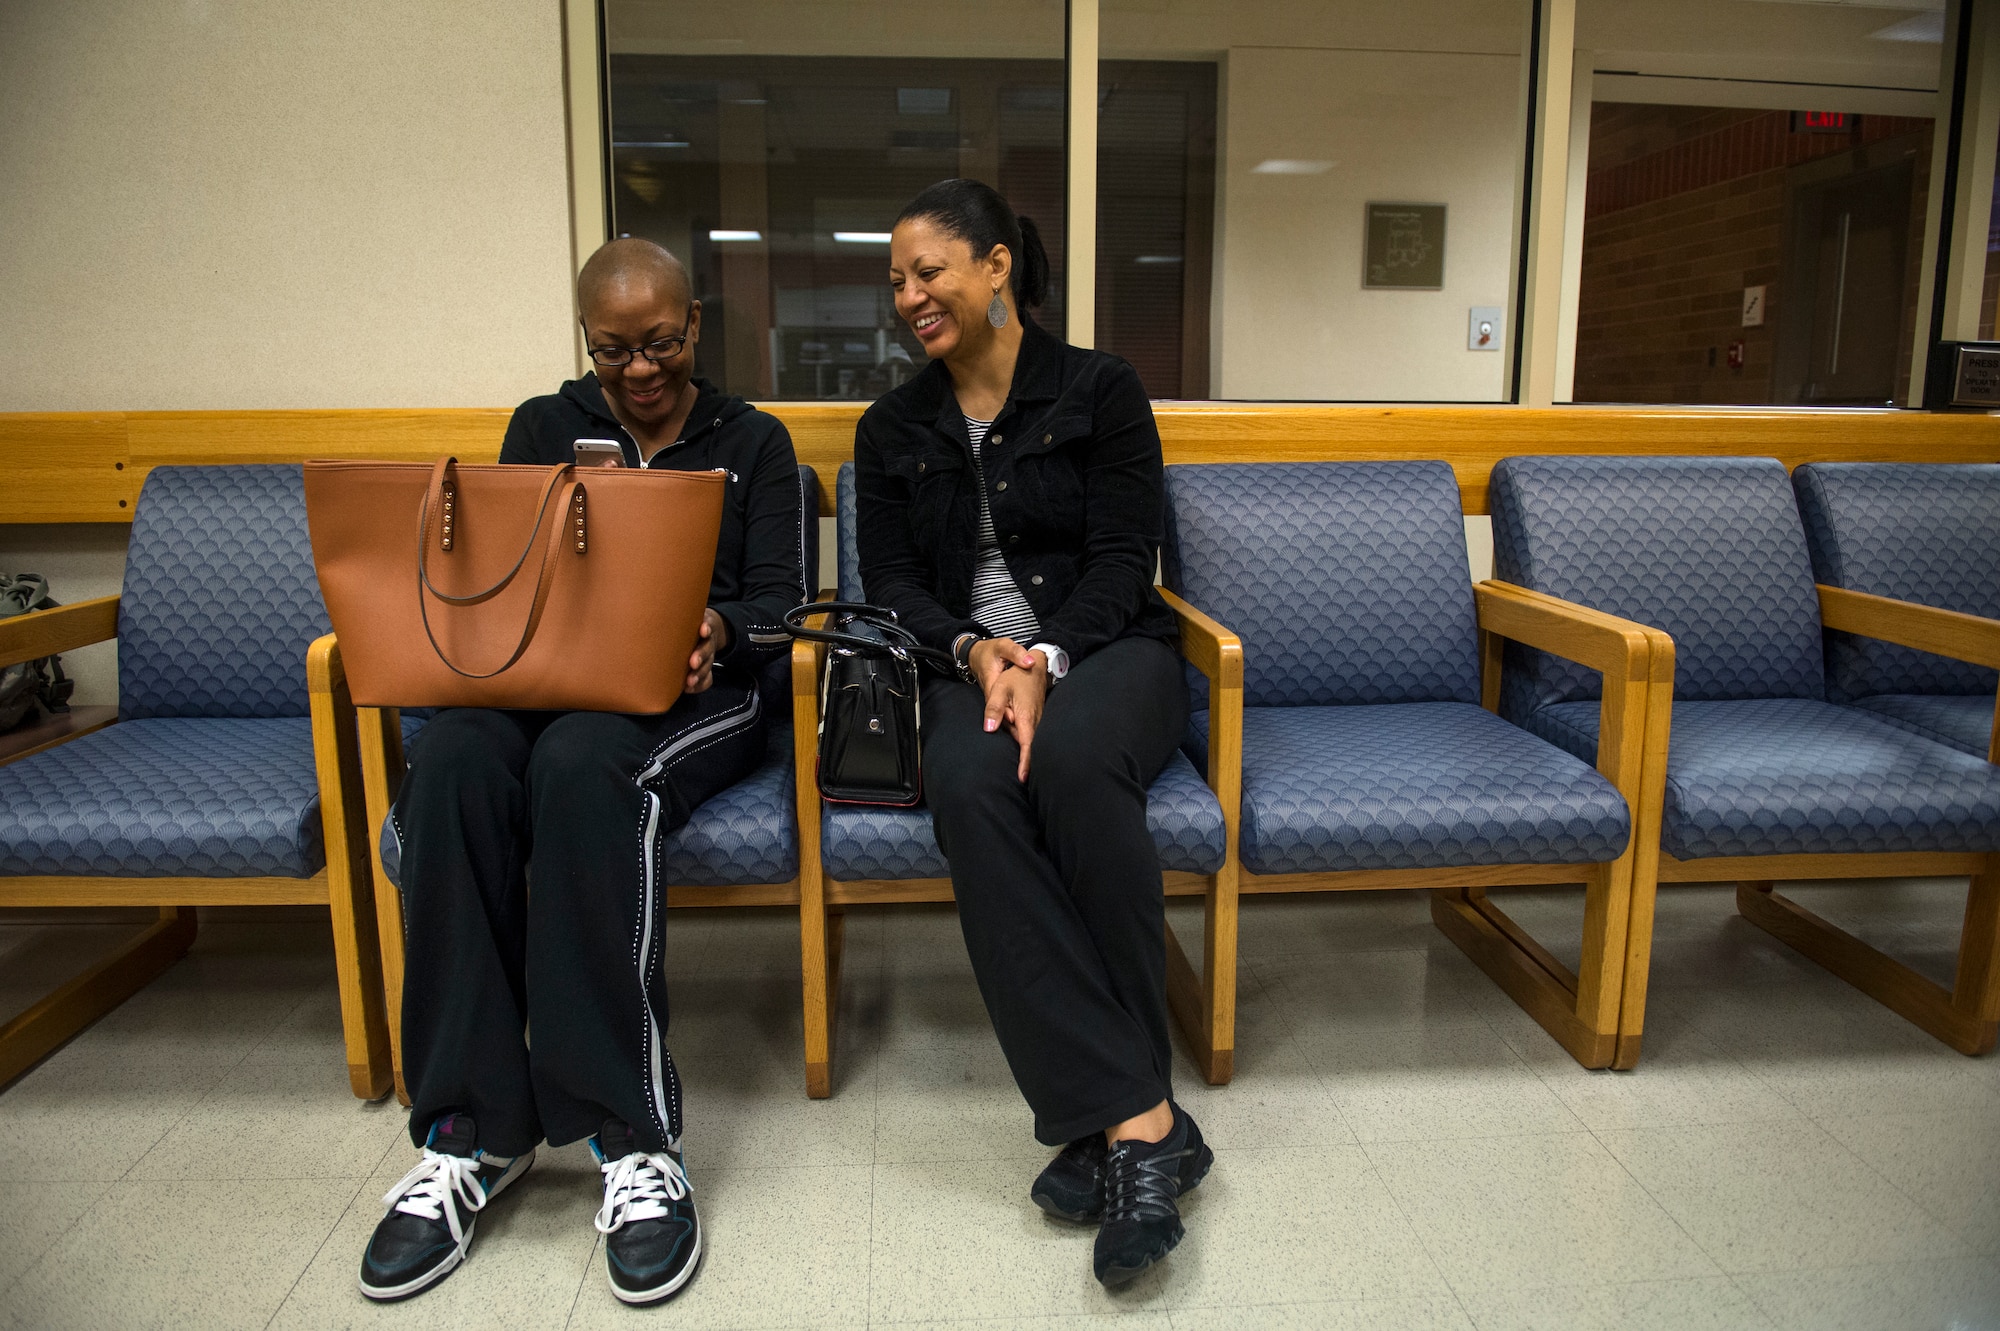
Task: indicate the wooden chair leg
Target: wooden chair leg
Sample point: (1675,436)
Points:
(1532,976)
(1204,1006)
(819,963)
(1966,1017)
(357,954)
(381,743)
(70,1010)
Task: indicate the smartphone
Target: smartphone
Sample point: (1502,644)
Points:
(599,453)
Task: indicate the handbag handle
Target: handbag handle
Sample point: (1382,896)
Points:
(544,580)
(901,640)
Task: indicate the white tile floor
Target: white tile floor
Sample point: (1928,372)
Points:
(1401,1147)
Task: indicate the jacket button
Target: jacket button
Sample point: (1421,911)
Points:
(1013,540)
(920,466)
(997,439)
(1048,438)
(1036,580)
(1001,486)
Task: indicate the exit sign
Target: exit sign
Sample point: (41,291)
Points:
(1824,122)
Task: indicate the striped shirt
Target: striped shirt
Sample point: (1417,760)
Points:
(996,598)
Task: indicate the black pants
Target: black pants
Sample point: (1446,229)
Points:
(542,1013)
(1058,881)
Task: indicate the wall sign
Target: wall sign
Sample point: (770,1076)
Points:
(1404,247)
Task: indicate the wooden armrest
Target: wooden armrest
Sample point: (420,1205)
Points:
(65,628)
(1618,648)
(1211,648)
(1927,628)
(326,673)
(806,658)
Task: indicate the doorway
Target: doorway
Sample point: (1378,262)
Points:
(1844,293)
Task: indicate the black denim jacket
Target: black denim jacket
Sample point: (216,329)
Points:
(1075,481)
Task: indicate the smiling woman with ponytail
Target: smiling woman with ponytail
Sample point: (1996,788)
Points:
(1010,503)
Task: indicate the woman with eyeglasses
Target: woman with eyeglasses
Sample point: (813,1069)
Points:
(583,800)
(1010,502)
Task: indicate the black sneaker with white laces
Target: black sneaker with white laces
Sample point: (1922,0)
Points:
(1072,1186)
(652,1236)
(1143,1185)
(427,1229)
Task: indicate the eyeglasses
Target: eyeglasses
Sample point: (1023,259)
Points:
(659,352)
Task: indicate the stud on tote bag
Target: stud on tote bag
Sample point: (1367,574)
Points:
(512,586)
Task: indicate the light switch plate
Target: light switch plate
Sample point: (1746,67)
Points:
(1484,331)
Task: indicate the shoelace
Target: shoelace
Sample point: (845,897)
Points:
(1139,1188)
(639,1187)
(437,1178)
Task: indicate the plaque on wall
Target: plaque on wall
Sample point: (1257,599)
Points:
(1404,247)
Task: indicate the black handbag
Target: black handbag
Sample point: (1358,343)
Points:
(868,710)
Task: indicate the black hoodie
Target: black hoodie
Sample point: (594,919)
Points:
(760,556)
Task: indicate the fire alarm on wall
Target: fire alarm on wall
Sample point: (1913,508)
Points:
(1736,355)
(1483,331)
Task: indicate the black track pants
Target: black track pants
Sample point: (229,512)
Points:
(1058,881)
(573,967)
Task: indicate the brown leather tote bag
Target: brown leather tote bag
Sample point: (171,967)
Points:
(528,587)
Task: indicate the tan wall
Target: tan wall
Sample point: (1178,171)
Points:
(210,204)
(1292,317)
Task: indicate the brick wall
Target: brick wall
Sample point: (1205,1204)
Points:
(1684,209)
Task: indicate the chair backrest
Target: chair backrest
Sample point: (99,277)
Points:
(220,600)
(845,548)
(1708,549)
(1347,581)
(1917,531)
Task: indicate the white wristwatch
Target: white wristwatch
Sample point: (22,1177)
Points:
(1057,658)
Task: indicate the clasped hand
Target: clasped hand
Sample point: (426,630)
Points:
(1016,684)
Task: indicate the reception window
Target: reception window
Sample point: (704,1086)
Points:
(1754,214)
(771,145)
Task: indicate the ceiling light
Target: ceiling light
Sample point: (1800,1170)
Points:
(862,237)
(649,143)
(724,236)
(1291,166)
(1158,258)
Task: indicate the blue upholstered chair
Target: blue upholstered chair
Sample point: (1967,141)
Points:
(739,849)
(1928,534)
(871,854)
(231,771)
(1368,757)
(1766,776)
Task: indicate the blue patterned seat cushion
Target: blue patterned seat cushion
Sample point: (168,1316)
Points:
(745,835)
(1964,721)
(861,841)
(1923,532)
(1347,581)
(1414,786)
(169,797)
(1795,776)
(221,600)
(847,548)
(1709,549)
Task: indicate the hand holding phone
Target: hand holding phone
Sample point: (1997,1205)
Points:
(599,453)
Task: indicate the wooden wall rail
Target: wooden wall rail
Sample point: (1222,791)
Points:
(88,466)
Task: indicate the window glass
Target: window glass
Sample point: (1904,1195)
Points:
(1990,295)
(1310,202)
(770,145)
(1753,226)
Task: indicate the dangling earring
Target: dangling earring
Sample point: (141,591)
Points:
(996,313)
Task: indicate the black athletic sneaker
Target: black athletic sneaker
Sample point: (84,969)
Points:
(652,1236)
(428,1228)
(1072,1187)
(1143,1184)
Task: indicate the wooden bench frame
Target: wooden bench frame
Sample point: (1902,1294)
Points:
(88,467)
(73,1007)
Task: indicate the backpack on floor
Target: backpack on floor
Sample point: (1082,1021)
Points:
(29,683)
